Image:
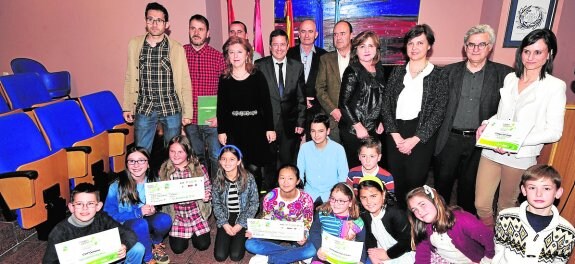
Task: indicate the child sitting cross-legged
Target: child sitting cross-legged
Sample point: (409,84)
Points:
(86,219)
(285,203)
(534,232)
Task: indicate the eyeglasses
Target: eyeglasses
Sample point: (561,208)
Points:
(336,201)
(139,162)
(159,21)
(80,205)
(472,45)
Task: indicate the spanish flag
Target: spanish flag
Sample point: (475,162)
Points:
(288,12)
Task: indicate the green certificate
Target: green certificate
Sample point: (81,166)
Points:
(206,108)
(98,248)
(504,134)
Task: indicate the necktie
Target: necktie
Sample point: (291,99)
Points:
(281,79)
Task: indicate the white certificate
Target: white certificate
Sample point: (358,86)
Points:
(340,251)
(276,229)
(99,248)
(507,135)
(175,191)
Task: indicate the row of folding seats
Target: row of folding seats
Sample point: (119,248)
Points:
(88,132)
(24,90)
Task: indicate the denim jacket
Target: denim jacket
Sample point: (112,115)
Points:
(123,212)
(249,202)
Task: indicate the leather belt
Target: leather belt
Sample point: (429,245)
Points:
(466,132)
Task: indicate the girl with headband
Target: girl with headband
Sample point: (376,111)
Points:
(388,232)
(234,200)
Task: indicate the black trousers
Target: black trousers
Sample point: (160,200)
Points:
(179,245)
(232,246)
(458,160)
(409,171)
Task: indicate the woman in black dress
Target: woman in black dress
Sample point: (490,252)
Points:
(244,108)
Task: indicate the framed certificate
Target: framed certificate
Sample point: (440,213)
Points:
(174,191)
(99,248)
(340,251)
(504,134)
(276,229)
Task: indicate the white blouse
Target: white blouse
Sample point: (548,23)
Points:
(385,240)
(411,97)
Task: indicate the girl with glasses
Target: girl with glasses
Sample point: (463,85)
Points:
(338,217)
(126,203)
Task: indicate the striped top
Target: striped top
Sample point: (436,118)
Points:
(233,198)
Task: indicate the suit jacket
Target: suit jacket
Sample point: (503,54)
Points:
(328,83)
(295,53)
(493,81)
(290,108)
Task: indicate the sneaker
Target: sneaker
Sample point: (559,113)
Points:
(259,259)
(159,254)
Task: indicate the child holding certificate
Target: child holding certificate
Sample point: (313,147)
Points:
(190,218)
(234,199)
(442,234)
(388,232)
(534,231)
(86,219)
(338,217)
(126,203)
(285,203)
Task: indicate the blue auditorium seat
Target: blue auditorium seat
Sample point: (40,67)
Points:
(57,83)
(33,179)
(105,114)
(65,125)
(24,90)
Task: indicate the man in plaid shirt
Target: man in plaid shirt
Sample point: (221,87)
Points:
(157,87)
(206,64)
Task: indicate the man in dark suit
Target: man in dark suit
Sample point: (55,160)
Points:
(473,96)
(331,68)
(285,78)
(309,55)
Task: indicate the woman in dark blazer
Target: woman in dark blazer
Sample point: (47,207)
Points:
(415,98)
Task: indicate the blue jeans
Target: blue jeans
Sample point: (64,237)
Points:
(200,136)
(150,230)
(145,128)
(279,253)
(135,254)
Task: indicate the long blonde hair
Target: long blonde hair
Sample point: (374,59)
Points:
(444,220)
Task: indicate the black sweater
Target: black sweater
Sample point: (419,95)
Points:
(65,231)
(396,224)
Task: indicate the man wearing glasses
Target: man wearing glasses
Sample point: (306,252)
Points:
(157,87)
(473,96)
